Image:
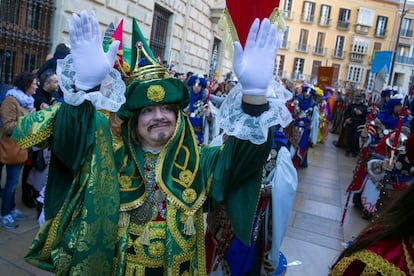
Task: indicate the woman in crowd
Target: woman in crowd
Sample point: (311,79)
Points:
(18,102)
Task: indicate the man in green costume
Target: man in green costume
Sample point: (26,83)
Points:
(128,200)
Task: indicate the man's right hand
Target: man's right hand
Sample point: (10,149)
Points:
(90,62)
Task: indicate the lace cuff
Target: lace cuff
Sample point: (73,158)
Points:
(110,96)
(236,123)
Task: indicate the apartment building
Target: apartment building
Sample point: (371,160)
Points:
(344,35)
(403,70)
(183,33)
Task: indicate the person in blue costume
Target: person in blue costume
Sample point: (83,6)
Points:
(196,108)
(388,117)
(306,122)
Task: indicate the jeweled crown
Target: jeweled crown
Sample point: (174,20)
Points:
(146,69)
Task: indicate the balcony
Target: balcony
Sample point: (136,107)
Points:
(380,33)
(319,51)
(356,57)
(405,33)
(307,18)
(284,44)
(298,76)
(288,15)
(343,25)
(404,60)
(301,47)
(361,29)
(338,54)
(324,22)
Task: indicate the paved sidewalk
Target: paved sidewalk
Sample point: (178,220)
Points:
(314,236)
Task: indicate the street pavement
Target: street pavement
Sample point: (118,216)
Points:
(314,237)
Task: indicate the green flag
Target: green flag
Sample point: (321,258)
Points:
(138,36)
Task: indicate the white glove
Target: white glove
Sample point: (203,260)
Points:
(254,67)
(90,62)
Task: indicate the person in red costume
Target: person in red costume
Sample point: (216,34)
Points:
(386,246)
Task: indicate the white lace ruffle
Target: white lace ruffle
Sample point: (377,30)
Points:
(235,122)
(110,96)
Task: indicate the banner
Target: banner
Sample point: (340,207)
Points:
(381,59)
(325,75)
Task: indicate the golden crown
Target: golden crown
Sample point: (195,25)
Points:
(152,70)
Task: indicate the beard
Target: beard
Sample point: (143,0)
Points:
(162,138)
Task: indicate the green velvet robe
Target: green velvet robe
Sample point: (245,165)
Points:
(96,180)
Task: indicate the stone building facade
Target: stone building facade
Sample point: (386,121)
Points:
(185,34)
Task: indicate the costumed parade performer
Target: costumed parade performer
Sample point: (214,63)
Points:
(197,107)
(226,254)
(306,125)
(126,200)
(385,246)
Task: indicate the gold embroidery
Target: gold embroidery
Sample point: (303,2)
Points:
(187,157)
(38,120)
(175,225)
(374,264)
(51,235)
(153,254)
(156,249)
(182,258)
(407,245)
(186,176)
(189,195)
(125,181)
(201,250)
(156,93)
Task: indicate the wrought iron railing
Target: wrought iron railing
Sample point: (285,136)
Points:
(24,35)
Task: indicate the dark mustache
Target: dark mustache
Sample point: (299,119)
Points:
(156,124)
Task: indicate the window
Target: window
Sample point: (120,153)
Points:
(320,44)
(280,64)
(34,17)
(285,35)
(314,74)
(335,77)
(160,24)
(303,40)
(339,47)
(406,28)
(381,28)
(324,16)
(298,65)
(355,73)
(287,9)
(359,45)
(10,11)
(365,17)
(403,50)
(308,12)
(288,5)
(343,19)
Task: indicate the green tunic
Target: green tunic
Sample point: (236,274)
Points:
(97,188)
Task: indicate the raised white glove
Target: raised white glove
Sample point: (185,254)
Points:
(90,62)
(255,65)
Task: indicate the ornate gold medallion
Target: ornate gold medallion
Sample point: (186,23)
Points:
(125,181)
(156,93)
(185,176)
(189,195)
